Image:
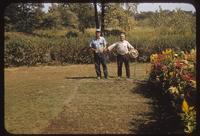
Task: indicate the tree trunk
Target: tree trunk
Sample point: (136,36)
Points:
(102,17)
(96,15)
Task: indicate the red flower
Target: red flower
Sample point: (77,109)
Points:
(178,64)
(187,76)
(161,57)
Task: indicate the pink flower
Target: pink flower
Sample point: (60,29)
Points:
(187,76)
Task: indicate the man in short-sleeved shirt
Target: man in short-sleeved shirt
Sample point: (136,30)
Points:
(122,48)
(98,45)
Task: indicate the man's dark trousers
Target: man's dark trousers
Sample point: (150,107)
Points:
(100,58)
(120,60)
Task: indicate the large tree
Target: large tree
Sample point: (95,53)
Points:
(117,15)
(118,18)
(81,12)
(23,16)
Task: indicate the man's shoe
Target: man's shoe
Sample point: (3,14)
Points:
(98,78)
(119,78)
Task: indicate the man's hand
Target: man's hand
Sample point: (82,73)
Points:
(106,49)
(92,49)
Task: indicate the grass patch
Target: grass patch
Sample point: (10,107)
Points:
(35,95)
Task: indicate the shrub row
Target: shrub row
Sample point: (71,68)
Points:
(23,49)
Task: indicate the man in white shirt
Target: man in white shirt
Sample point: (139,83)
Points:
(98,46)
(122,48)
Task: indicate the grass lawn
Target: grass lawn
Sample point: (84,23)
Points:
(37,96)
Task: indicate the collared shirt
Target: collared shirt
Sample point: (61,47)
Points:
(98,44)
(122,47)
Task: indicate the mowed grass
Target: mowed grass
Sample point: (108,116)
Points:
(36,95)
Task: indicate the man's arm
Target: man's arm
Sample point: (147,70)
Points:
(91,47)
(104,43)
(129,45)
(112,46)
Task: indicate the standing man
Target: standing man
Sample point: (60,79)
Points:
(98,45)
(122,48)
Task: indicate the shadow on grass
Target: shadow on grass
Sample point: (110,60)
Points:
(86,77)
(163,118)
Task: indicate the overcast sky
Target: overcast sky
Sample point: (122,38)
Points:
(142,7)
(170,6)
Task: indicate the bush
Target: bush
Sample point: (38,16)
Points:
(23,49)
(72,33)
(48,46)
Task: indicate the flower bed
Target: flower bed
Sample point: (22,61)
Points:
(176,73)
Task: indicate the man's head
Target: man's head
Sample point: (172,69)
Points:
(122,36)
(98,33)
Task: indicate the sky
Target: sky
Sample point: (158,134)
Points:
(170,6)
(143,7)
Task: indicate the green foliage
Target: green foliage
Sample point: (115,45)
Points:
(23,17)
(148,41)
(189,121)
(79,14)
(50,33)
(70,19)
(52,19)
(118,18)
(21,49)
(64,32)
(71,46)
(173,22)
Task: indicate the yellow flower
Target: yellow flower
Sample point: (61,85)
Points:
(185,106)
(173,90)
(192,55)
(167,52)
(185,61)
(171,74)
(163,52)
(193,83)
(193,51)
(153,57)
(191,66)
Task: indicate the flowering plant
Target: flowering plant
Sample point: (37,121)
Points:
(177,74)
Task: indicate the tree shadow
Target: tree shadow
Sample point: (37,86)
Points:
(163,118)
